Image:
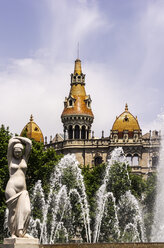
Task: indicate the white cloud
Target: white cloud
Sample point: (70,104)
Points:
(72,22)
(30,87)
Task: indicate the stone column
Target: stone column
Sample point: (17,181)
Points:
(73,128)
(80,132)
(64,133)
(89,133)
(86,133)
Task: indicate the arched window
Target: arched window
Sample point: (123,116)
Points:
(98,160)
(70,103)
(129,159)
(77,132)
(135,160)
(83,132)
(70,132)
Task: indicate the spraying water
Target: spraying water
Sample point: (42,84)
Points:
(157,234)
(122,216)
(64,206)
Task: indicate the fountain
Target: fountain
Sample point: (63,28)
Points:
(63,216)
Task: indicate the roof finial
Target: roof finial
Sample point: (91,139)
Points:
(126,107)
(31,118)
(78,50)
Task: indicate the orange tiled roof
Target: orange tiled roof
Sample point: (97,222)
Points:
(79,108)
(78,93)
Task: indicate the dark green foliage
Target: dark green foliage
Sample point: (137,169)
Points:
(37,206)
(150,191)
(93,179)
(109,232)
(138,185)
(69,179)
(149,202)
(40,165)
(5,135)
(75,223)
(119,181)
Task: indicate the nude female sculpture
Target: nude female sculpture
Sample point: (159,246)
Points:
(17,197)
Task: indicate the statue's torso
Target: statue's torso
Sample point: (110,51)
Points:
(17,182)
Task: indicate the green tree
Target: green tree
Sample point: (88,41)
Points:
(93,178)
(149,202)
(150,191)
(138,184)
(40,165)
(5,135)
(119,181)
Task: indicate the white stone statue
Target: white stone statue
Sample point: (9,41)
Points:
(17,197)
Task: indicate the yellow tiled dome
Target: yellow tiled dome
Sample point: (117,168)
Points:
(126,121)
(32,130)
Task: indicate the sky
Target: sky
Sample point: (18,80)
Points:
(122,52)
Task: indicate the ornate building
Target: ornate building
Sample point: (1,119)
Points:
(142,151)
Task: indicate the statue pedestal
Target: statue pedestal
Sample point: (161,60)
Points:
(21,243)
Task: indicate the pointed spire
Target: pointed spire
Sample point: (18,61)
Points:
(77,67)
(31,118)
(126,107)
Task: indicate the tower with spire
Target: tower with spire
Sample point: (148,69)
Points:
(77,116)
(141,151)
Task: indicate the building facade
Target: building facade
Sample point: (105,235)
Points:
(142,151)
